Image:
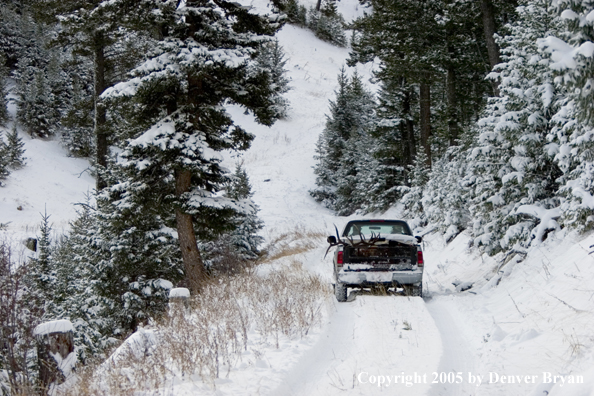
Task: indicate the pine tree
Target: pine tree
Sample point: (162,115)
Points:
(230,252)
(139,257)
(15,149)
(41,279)
(245,236)
(4,116)
(413,194)
(511,162)
(272,58)
(330,146)
(445,195)
(77,119)
(425,46)
(77,296)
(37,103)
(4,160)
(340,146)
(391,149)
(204,62)
(351,188)
(114,36)
(570,49)
(327,24)
(13,41)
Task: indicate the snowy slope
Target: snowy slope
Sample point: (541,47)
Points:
(50,183)
(282,157)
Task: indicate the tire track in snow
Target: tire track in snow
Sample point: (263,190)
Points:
(457,356)
(372,336)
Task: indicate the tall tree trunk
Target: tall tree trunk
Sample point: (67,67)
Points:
(193,265)
(425,121)
(407,130)
(452,106)
(100,112)
(489,29)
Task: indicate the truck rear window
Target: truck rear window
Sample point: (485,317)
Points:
(367,228)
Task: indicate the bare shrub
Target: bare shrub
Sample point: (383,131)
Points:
(288,303)
(19,315)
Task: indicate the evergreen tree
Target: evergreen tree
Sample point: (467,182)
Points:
(114,36)
(37,110)
(412,195)
(340,146)
(351,186)
(390,151)
(245,236)
(77,119)
(138,254)
(4,116)
(14,41)
(272,58)
(327,24)
(425,45)
(77,294)
(4,160)
(41,278)
(511,163)
(204,61)
(14,149)
(445,195)
(231,252)
(570,49)
(330,146)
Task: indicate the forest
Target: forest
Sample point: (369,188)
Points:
(479,118)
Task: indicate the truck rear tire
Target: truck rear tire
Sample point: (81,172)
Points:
(340,291)
(415,290)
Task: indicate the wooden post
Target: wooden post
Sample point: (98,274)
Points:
(55,352)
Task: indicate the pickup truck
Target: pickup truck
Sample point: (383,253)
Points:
(373,253)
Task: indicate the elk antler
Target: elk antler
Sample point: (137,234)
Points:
(373,239)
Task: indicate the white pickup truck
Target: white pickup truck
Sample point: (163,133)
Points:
(371,253)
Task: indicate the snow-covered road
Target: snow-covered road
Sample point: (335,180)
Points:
(373,345)
(456,356)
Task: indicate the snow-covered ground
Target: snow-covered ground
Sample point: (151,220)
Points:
(522,328)
(50,183)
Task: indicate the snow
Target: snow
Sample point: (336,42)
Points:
(33,190)
(546,216)
(366,347)
(179,292)
(165,284)
(55,326)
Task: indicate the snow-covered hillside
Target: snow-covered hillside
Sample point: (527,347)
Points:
(484,327)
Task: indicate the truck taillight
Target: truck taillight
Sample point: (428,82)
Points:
(339,258)
(420,258)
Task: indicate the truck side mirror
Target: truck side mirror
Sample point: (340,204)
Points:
(419,239)
(331,239)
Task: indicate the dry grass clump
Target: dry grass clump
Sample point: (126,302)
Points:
(208,337)
(299,240)
(289,303)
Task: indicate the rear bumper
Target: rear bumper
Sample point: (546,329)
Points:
(365,278)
